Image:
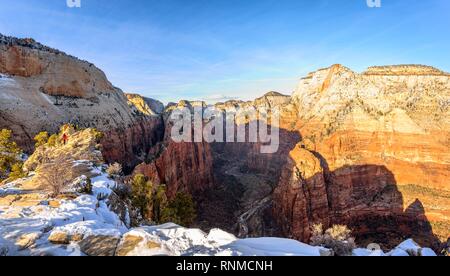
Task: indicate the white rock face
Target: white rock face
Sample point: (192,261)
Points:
(334,91)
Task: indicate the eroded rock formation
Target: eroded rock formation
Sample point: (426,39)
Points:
(42,88)
(182,167)
(382,138)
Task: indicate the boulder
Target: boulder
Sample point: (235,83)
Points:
(27,240)
(59,237)
(99,245)
(130,242)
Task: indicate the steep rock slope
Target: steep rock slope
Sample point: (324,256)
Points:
(183,167)
(42,88)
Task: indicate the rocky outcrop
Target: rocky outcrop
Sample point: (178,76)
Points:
(268,100)
(381,137)
(405,70)
(130,145)
(99,246)
(145,105)
(82,145)
(301,195)
(42,88)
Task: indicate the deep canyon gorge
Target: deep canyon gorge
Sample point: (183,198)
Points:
(369,150)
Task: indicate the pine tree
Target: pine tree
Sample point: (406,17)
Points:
(9,153)
(16,171)
(160,203)
(142,195)
(180,210)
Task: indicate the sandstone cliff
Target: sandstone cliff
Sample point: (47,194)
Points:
(182,167)
(382,138)
(42,88)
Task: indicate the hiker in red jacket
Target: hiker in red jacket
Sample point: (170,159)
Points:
(65,138)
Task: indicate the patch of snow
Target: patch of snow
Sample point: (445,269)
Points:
(271,247)
(220,238)
(428,252)
(397,252)
(176,239)
(363,252)
(102,185)
(89,228)
(409,246)
(85,215)
(6,81)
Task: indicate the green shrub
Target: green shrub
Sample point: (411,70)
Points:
(336,238)
(53,140)
(180,210)
(17,171)
(153,204)
(41,139)
(114,170)
(160,202)
(9,154)
(170,215)
(98,135)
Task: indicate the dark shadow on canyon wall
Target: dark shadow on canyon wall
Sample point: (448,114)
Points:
(245,179)
(366,198)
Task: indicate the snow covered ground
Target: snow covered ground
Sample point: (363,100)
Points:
(36,219)
(30,224)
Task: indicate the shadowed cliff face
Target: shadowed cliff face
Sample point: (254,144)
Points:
(182,167)
(366,198)
(241,199)
(382,141)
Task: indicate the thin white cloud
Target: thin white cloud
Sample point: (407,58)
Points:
(218,98)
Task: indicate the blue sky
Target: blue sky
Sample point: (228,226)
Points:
(223,49)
